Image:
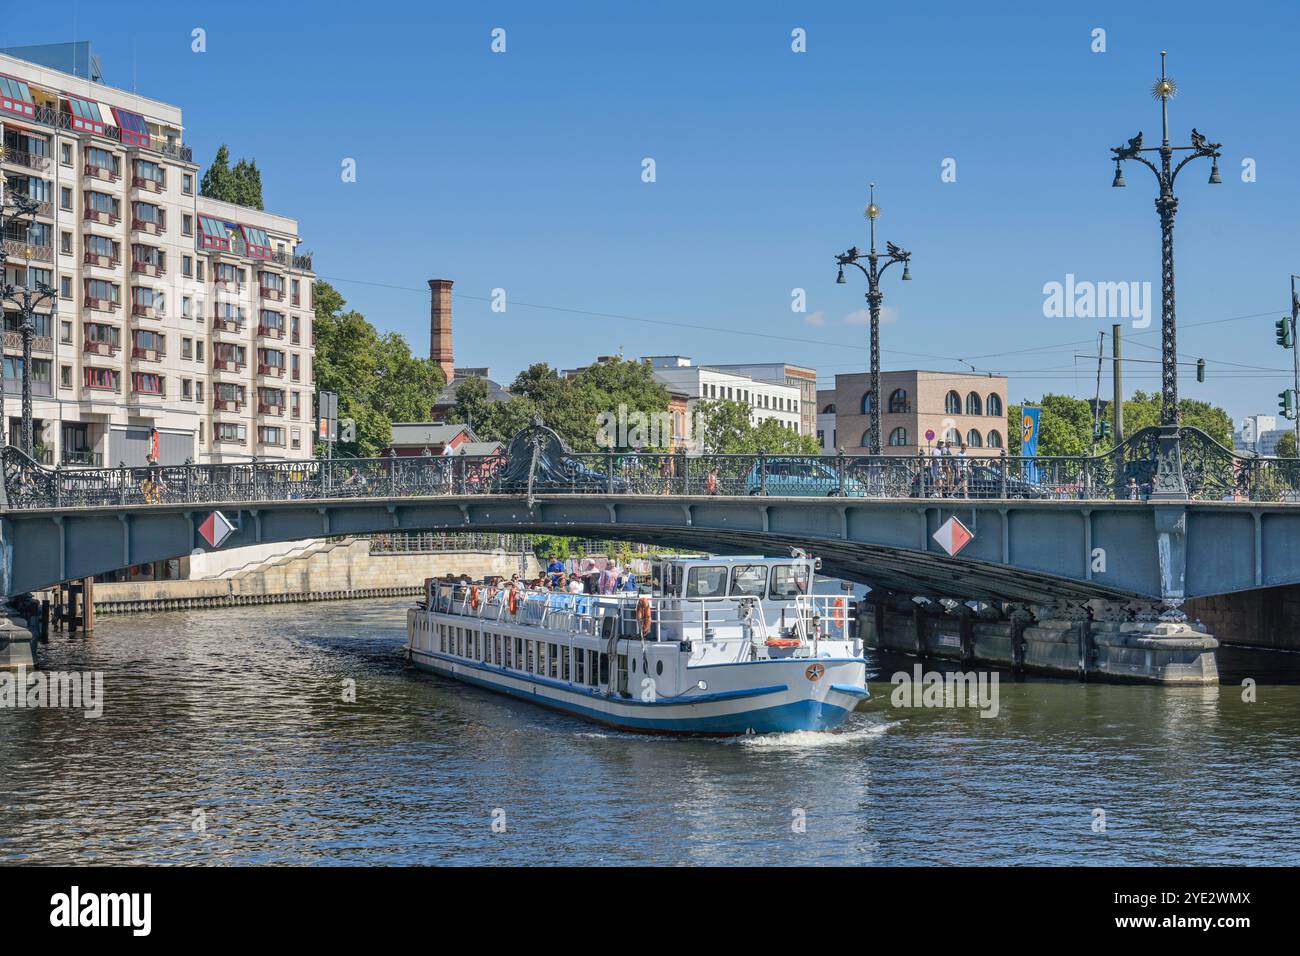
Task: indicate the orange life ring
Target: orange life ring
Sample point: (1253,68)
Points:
(839,617)
(782,642)
(473,597)
(514,601)
(643,615)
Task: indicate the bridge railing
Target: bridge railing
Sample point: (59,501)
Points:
(1211,473)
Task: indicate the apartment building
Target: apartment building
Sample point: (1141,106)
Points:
(173,311)
(782,373)
(766,400)
(920,408)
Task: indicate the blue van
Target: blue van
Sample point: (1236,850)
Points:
(800,476)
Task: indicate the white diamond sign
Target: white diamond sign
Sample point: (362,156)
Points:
(953,536)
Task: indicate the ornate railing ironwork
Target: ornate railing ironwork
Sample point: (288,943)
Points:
(1129,471)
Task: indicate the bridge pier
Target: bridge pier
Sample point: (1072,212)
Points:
(17,640)
(1100,641)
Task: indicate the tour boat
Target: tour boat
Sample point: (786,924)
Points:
(709,646)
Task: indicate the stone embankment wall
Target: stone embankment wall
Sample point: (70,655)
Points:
(327,570)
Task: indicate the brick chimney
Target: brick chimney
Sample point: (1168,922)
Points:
(440,326)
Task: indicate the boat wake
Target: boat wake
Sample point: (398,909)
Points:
(851,735)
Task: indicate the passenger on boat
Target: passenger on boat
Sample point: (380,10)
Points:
(605,584)
(555,569)
(576,586)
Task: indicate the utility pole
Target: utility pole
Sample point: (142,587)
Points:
(1117,376)
(1295,353)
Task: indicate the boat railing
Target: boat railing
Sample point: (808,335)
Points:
(825,617)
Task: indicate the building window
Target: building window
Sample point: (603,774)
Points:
(898,437)
(973,404)
(65,332)
(952,404)
(898,404)
(200,431)
(295,408)
(146,383)
(995,438)
(187,184)
(829,409)
(65,287)
(198,391)
(187,348)
(994,406)
(65,376)
(973,438)
(65,198)
(231,432)
(101,378)
(952,436)
(187,225)
(186,389)
(198,350)
(65,243)
(295,436)
(187,266)
(866,403)
(65,154)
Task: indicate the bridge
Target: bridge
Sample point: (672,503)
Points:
(1047,532)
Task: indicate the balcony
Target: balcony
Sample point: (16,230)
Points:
(271,331)
(101,216)
(292,260)
(21,157)
(227,404)
(106,262)
(275,295)
(227,325)
(102,173)
(92,459)
(99,348)
(149,226)
(145,268)
(58,119)
(148,355)
(226,365)
(146,311)
(276,371)
(99,305)
(147,184)
(232,286)
(40,343)
(39,206)
(24,250)
(264,409)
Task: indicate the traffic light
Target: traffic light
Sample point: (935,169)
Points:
(1287,403)
(1102,432)
(1284,336)
(1200,370)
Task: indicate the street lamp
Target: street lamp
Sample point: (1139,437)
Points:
(1168,482)
(873,270)
(27,298)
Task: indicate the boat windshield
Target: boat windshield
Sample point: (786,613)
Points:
(788,581)
(748,580)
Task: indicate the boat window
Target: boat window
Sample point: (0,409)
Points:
(748,580)
(706,582)
(789,580)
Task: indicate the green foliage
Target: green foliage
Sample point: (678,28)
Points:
(545,545)
(573,407)
(1143,409)
(241,185)
(1286,446)
(377,378)
(1065,425)
(727,430)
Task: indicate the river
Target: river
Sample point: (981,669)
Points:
(226,739)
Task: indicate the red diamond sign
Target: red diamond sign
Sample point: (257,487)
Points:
(953,536)
(215,529)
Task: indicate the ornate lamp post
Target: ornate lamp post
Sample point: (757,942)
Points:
(873,271)
(1168,482)
(28,299)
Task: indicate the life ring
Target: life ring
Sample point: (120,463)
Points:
(643,615)
(473,597)
(514,601)
(839,617)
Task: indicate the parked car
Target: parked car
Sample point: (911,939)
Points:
(800,476)
(984,481)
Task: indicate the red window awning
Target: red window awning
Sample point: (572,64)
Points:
(134,129)
(15,97)
(86,117)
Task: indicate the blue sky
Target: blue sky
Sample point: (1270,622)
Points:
(522,171)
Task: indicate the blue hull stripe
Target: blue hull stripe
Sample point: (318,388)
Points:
(850,689)
(783,718)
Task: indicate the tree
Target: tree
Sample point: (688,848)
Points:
(727,429)
(1286,446)
(377,378)
(1143,410)
(241,185)
(1064,426)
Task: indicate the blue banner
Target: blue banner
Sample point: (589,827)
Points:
(1029,439)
